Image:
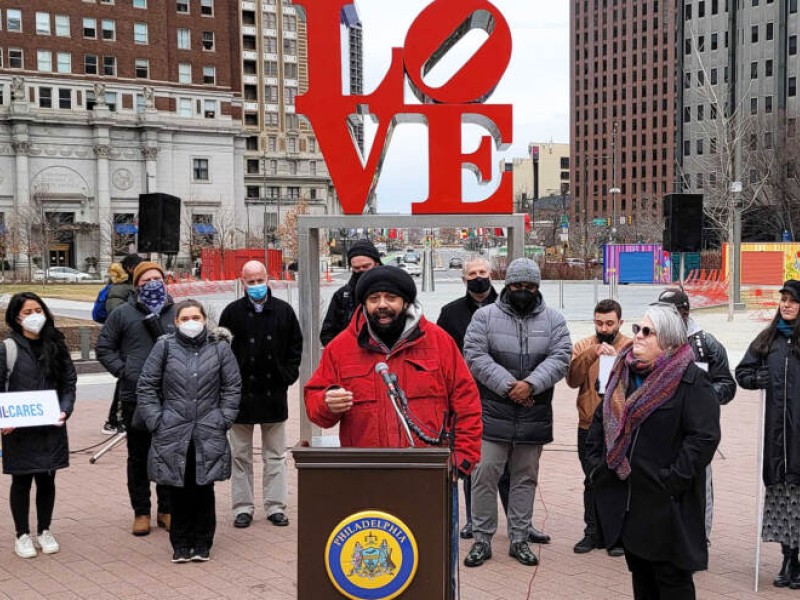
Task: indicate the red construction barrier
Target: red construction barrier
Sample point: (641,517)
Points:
(224,267)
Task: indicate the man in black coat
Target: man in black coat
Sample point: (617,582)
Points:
(124,344)
(454,319)
(361,257)
(268,345)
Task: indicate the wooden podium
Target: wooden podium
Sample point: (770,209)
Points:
(352,501)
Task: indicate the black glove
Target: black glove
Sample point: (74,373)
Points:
(762,378)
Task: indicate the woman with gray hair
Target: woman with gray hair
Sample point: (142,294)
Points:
(651,439)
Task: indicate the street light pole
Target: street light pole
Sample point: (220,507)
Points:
(614,191)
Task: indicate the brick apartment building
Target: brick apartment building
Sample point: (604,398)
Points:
(101,100)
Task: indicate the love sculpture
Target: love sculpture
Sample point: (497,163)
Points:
(444,109)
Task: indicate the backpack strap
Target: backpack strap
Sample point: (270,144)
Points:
(11,357)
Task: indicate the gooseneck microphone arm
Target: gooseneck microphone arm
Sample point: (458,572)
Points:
(400,403)
(382,369)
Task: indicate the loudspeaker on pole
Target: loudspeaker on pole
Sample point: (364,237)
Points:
(683,222)
(159,223)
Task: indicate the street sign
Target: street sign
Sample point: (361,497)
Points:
(599,222)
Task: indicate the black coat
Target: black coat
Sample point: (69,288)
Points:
(782,422)
(125,343)
(268,347)
(196,401)
(659,510)
(340,311)
(707,349)
(456,316)
(37,449)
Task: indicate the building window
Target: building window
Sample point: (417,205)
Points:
(184,73)
(44,60)
(207,8)
(700,112)
(109,30)
(110,66)
(289,47)
(185,107)
(209,109)
(141,68)
(89,28)
(15,58)
(42,23)
(289,94)
(290,70)
(293,192)
(140,33)
(184,39)
(312,145)
(62,25)
(699,146)
(271,119)
(252,166)
(768,67)
(200,169)
(753,70)
(270,21)
(289,23)
(13,19)
(272,143)
(754,34)
(270,68)
(140,108)
(111,100)
(292,122)
(753,106)
(253,192)
(713,76)
(687,114)
(769,31)
(271,45)
(64,62)
(45,97)
(768,104)
(792,45)
(291,144)
(273,167)
(768,140)
(292,167)
(714,41)
(792,86)
(139,3)
(209,75)
(312,168)
(64,98)
(182,6)
(271,94)
(208,40)
(90,64)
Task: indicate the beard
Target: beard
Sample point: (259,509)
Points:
(388,331)
(606,338)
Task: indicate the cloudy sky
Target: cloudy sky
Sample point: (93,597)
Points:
(536,84)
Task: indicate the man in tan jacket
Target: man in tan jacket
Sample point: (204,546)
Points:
(584,368)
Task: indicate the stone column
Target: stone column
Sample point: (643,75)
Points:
(150,155)
(103,199)
(22,147)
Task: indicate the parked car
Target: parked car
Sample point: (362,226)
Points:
(411,256)
(61,274)
(456,262)
(410,268)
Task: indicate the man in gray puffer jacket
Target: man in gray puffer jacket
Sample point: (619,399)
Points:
(517,349)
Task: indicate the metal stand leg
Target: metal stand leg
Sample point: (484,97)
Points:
(760,487)
(109,446)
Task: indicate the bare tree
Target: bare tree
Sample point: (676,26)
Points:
(287,230)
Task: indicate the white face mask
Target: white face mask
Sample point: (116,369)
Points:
(191,329)
(34,322)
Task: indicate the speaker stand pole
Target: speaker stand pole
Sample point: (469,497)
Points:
(682,271)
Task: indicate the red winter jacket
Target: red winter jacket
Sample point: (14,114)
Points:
(429,369)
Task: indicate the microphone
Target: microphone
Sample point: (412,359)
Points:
(382,369)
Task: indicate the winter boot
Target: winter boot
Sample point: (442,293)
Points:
(790,569)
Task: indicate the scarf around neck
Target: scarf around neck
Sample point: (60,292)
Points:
(786,328)
(623,413)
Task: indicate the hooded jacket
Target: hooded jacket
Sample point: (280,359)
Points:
(268,347)
(189,391)
(429,369)
(44,448)
(340,311)
(121,290)
(708,350)
(502,347)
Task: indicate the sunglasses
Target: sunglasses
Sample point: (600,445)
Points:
(646,331)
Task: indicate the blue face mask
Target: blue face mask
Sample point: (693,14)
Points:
(153,295)
(257,292)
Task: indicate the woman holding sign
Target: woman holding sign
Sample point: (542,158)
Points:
(35,358)
(188,397)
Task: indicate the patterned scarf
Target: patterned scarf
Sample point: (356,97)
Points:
(153,295)
(623,413)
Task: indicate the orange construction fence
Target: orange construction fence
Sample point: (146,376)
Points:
(223,266)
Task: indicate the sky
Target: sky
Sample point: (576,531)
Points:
(536,83)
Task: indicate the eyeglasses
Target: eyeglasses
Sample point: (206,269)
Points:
(646,331)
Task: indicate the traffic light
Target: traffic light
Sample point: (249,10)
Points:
(630,219)
(608,221)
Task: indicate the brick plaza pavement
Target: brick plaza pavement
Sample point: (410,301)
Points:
(101,559)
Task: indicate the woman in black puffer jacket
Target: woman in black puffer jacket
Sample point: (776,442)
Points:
(188,397)
(35,453)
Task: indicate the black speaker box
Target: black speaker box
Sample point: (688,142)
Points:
(159,223)
(683,222)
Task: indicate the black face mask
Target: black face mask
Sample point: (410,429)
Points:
(354,276)
(524,301)
(479,285)
(606,338)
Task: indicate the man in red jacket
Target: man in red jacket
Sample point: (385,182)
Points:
(390,328)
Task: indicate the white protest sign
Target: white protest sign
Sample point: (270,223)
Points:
(28,409)
(606,362)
